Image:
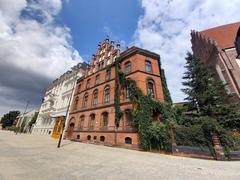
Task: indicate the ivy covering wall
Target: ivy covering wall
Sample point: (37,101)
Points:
(152,134)
(167,96)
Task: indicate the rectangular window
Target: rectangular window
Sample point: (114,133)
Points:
(107,95)
(128,67)
(88,84)
(108,74)
(100,65)
(97,79)
(81,122)
(148,66)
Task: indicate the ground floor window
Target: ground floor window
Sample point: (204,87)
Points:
(128,140)
(102,138)
(78,136)
(88,137)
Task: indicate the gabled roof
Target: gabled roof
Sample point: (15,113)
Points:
(225,35)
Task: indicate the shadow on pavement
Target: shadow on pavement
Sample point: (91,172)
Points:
(66,143)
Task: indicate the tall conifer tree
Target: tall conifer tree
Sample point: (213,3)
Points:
(208,96)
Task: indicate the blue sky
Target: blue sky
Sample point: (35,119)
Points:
(91,21)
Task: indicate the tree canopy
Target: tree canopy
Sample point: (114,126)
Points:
(9,118)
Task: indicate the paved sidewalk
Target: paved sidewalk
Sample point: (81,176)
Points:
(32,157)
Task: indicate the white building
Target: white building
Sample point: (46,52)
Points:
(56,100)
(23,121)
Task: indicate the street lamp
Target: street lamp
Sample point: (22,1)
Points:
(65,119)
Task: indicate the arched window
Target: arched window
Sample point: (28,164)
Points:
(97,79)
(95,97)
(128,140)
(79,87)
(104,119)
(91,121)
(150,88)
(102,138)
(71,126)
(76,103)
(82,122)
(85,100)
(129,117)
(148,66)
(128,67)
(108,74)
(88,84)
(88,137)
(78,136)
(72,121)
(106,94)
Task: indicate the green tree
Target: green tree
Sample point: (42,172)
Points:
(9,118)
(209,105)
(33,120)
(208,96)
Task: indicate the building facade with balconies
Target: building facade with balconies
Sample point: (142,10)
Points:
(56,102)
(92,112)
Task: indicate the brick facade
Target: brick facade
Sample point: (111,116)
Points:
(92,113)
(216,48)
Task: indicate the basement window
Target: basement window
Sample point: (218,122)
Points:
(102,138)
(128,140)
(88,137)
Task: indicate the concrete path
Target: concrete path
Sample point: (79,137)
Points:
(32,157)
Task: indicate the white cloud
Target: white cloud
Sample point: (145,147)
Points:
(30,41)
(165,28)
(41,47)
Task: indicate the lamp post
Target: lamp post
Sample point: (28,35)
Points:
(69,103)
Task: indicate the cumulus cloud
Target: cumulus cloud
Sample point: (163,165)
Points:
(165,28)
(34,50)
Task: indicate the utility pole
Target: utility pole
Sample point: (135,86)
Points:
(69,103)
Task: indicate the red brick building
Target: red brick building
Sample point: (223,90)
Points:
(219,49)
(92,113)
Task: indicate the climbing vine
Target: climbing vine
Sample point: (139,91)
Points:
(167,96)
